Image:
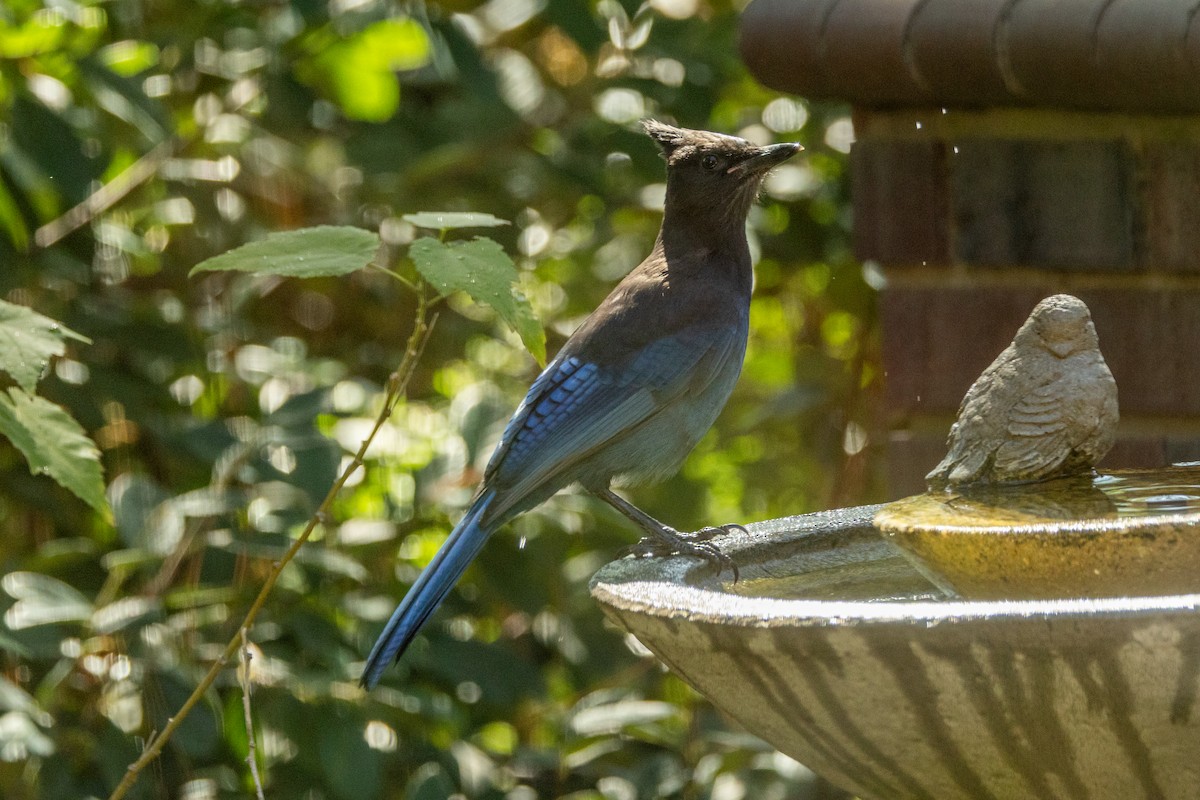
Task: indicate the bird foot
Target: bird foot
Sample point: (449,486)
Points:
(670,542)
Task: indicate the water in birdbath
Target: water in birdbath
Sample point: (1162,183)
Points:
(889,581)
(1127,532)
(859,566)
(1172,491)
(1092,535)
(1120,494)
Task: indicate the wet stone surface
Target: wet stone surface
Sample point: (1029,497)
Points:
(1130,532)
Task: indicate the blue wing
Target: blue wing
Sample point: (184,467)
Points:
(577,405)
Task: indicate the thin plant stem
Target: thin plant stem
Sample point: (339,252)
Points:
(106,196)
(396,385)
(380,268)
(251,747)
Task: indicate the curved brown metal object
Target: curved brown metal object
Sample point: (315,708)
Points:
(1120,55)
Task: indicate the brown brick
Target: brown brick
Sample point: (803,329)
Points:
(1059,205)
(852,33)
(1170,195)
(901,210)
(1182,449)
(910,458)
(1151,340)
(1149,451)
(937,340)
(947,42)
(1136,40)
(781,41)
(1192,43)
(1048,49)
(1135,452)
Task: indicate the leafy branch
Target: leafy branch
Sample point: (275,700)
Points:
(478,267)
(397,383)
(51,440)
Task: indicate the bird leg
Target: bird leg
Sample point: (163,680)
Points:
(663,540)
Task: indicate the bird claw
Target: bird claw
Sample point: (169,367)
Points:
(669,542)
(704,534)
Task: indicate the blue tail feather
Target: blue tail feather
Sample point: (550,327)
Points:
(431,588)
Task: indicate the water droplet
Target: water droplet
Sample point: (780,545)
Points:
(521,543)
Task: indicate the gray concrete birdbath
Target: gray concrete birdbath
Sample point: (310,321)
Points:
(836,650)
(1026,629)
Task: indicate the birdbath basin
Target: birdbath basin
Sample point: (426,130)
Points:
(837,650)
(1124,533)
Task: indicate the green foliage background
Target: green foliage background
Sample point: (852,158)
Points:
(224,403)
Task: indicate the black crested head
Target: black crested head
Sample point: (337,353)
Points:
(712,179)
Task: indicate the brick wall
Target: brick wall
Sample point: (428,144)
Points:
(975,216)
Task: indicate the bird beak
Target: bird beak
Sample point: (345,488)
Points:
(765,158)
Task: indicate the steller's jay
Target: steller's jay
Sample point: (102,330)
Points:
(639,383)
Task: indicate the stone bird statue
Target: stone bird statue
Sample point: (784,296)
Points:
(1046,407)
(637,385)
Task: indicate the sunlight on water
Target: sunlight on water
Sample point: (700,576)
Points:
(1121,494)
(1144,493)
(864,566)
(852,569)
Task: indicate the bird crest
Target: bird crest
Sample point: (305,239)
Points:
(668,137)
(679,144)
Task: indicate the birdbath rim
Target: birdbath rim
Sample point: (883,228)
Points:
(682,587)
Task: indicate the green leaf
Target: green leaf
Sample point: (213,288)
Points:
(54,444)
(14,698)
(333,562)
(305,253)
(20,735)
(352,769)
(42,600)
(429,782)
(144,514)
(395,44)
(129,57)
(12,646)
(484,271)
(616,717)
(11,220)
(42,33)
(27,342)
(199,733)
(359,73)
(365,94)
(124,613)
(449,220)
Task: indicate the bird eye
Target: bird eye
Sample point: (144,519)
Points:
(710,162)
